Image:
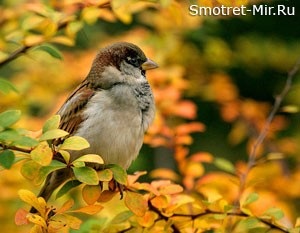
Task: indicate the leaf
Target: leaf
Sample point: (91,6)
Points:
(106,196)
(136,203)
(90,14)
(86,175)
(29,197)
(66,155)
(274,212)
(224,165)
(51,50)
(90,209)
(7,158)
(148,219)
(161,201)
(6,86)
(25,141)
(252,197)
(52,123)
(66,206)
(30,169)
(36,219)
(90,158)
(42,154)
(74,143)
(105,175)
(74,27)
(171,189)
(20,217)
(67,187)
(53,134)
(121,217)
(46,170)
(91,193)
(8,118)
(120,174)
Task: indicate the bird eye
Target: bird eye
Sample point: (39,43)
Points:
(133,61)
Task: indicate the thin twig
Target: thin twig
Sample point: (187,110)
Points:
(20,149)
(278,100)
(23,49)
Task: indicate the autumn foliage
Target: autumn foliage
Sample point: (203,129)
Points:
(242,177)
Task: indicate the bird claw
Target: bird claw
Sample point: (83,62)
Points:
(113,185)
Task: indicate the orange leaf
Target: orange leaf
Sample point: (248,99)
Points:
(160,201)
(133,178)
(190,128)
(164,173)
(148,219)
(171,189)
(91,193)
(90,209)
(136,203)
(20,217)
(66,206)
(185,109)
(202,157)
(106,196)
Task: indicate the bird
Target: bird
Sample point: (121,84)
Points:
(111,108)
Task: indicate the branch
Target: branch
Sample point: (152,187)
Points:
(237,214)
(20,149)
(23,49)
(278,101)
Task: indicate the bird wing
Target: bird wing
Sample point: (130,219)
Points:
(72,111)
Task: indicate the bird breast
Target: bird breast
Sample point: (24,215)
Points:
(115,122)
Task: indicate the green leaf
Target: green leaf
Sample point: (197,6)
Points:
(252,197)
(52,123)
(44,171)
(67,187)
(30,169)
(90,158)
(86,175)
(274,212)
(9,135)
(120,174)
(121,217)
(74,143)
(6,86)
(7,158)
(53,134)
(105,175)
(224,165)
(51,50)
(9,117)
(25,141)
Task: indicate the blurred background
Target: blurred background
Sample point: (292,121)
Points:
(216,84)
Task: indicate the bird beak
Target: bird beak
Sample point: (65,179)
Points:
(149,64)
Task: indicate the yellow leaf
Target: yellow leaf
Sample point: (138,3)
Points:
(32,40)
(32,200)
(90,158)
(136,203)
(74,143)
(63,40)
(36,219)
(90,14)
(42,154)
(91,193)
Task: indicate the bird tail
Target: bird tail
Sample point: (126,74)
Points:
(53,181)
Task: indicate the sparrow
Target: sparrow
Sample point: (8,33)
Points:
(111,108)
